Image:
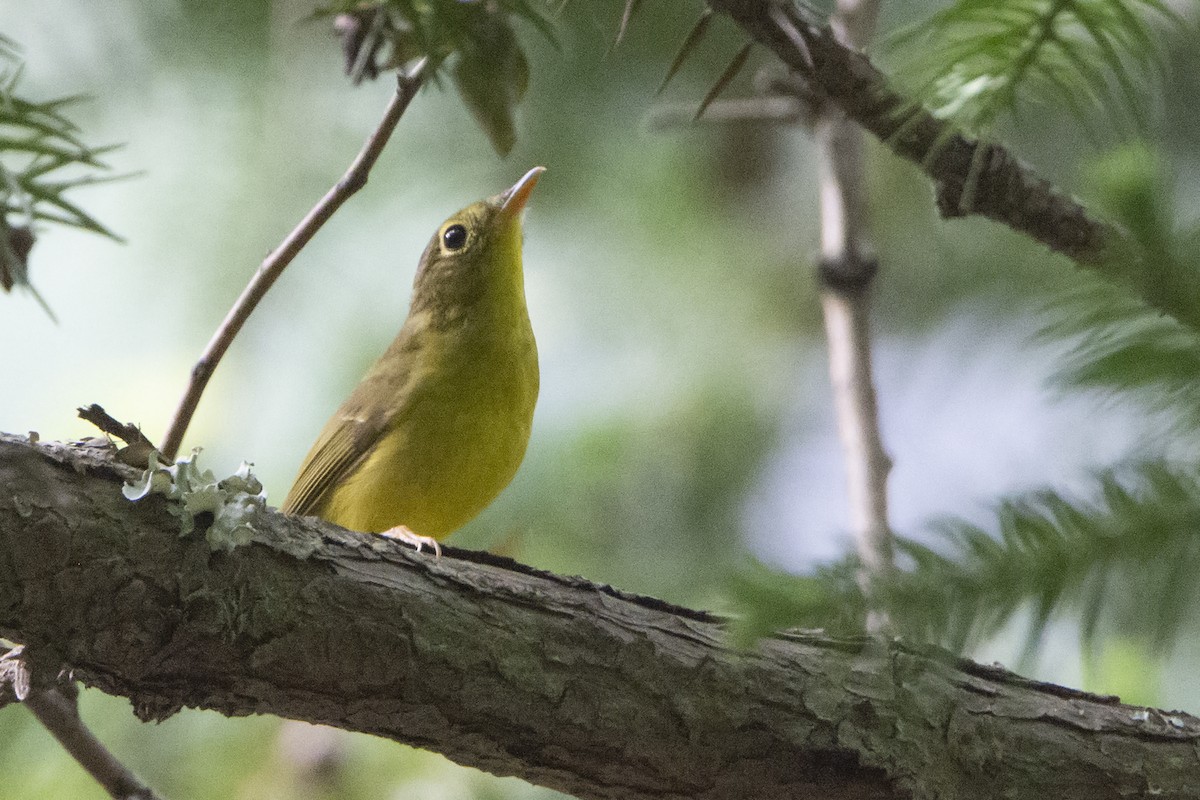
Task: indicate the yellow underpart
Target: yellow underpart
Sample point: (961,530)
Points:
(466,417)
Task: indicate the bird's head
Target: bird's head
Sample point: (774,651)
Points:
(475,253)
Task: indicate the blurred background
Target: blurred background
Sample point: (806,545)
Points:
(684,426)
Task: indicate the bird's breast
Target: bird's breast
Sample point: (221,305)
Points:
(461,436)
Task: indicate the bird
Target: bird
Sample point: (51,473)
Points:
(440,423)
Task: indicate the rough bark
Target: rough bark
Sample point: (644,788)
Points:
(559,681)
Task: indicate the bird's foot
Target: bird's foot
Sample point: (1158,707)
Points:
(402,533)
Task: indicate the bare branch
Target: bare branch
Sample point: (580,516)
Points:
(60,715)
(560,681)
(272,267)
(778,109)
(867,463)
(847,270)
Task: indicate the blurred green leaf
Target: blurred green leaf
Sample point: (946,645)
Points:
(38,141)
(1120,346)
(766,600)
(492,77)
(1131,184)
(653,502)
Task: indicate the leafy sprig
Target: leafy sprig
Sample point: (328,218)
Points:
(474,41)
(1125,554)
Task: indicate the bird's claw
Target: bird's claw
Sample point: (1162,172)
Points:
(402,533)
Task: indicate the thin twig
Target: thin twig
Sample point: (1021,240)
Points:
(867,464)
(847,270)
(778,109)
(60,715)
(272,267)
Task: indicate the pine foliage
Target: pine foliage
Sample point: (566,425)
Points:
(1110,558)
(980,59)
(1120,342)
(42,158)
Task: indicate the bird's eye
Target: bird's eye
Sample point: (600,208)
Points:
(454,237)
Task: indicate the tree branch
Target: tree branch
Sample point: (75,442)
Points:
(519,672)
(274,264)
(971,177)
(847,272)
(60,715)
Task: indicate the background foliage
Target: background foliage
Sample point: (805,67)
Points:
(1043,425)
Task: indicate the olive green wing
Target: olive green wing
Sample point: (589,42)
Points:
(351,433)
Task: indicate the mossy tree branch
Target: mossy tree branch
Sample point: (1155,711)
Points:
(559,681)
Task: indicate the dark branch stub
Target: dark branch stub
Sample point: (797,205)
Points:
(850,275)
(125,431)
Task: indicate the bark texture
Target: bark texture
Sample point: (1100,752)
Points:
(559,681)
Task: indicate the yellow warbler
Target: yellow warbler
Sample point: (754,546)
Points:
(438,426)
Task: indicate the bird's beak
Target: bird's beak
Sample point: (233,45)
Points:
(512,201)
